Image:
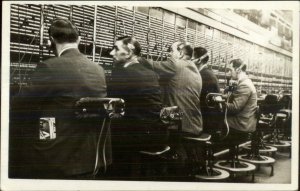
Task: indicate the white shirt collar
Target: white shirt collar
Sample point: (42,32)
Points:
(128,64)
(133,61)
(64,49)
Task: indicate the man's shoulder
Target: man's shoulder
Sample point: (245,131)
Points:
(62,59)
(247,84)
(139,69)
(53,61)
(207,71)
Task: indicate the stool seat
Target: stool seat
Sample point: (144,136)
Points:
(155,152)
(202,138)
(202,168)
(264,121)
(281,115)
(262,150)
(266,117)
(257,159)
(241,166)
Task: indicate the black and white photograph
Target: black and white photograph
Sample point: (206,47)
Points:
(150,95)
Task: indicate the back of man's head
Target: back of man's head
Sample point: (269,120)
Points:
(238,63)
(63,31)
(200,54)
(131,44)
(185,49)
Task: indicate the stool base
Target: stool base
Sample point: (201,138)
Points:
(236,167)
(278,144)
(259,160)
(213,174)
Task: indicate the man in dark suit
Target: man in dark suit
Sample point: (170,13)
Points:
(211,116)
(140,128)
(70,149)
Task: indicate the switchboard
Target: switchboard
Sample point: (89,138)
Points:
(155,28)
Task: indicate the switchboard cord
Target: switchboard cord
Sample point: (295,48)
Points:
(96,169)
(26,50)
(225,118)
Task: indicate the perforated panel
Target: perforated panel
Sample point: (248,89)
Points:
(51,12)
(141,30)
(83,18)
(124,22)
(105,30)
(24,41)
(156,29)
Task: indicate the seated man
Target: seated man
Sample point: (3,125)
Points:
(241,105)
(209,85)
(140,128)
(68,149)
(182,84)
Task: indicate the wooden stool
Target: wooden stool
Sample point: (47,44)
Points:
(156,159)
(154,162)
(203,169)
(274,140)
(234,165)
(254,156)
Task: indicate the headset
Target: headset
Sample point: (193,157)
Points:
(199,60)
(232,84)
(240,68)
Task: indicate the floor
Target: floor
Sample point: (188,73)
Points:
(282,171)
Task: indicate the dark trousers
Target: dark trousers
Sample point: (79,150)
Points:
(234,138)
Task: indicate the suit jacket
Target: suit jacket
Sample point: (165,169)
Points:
(209,85)
(139,87)
(242,107)
(182,85)
(53,90)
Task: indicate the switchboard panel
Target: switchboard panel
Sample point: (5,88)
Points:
(105,36)
(24,42)
(83,17)
(155,28)
(141,29)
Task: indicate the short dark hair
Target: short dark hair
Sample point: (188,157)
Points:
(237,63)
(63,31)
(186,48)
(199,52)
(129,39)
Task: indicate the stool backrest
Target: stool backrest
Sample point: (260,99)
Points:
(171,116)
(105,109)
(286,102)
(269,105)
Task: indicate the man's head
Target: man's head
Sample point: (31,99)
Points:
(181,50)
(125,48)
(200,55)
(236,67)
(62,32)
